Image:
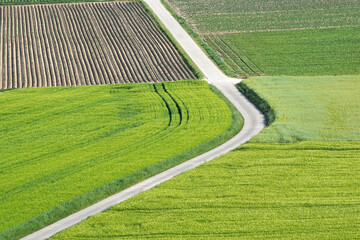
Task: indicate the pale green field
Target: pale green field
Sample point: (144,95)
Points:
(59,144)
(324,108)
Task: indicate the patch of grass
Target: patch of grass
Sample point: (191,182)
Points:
(259,102)
(211,16)
(5,90)
(79,145)
(322,108)
(297,53)
(306,190)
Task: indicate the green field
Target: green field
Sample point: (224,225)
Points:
(306,190)
(59,144)
(266,189)
(248,38)
(294,53)
(213,16)
(324,108)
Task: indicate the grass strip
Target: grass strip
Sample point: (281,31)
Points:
(208,51)
(4,90)
(258,101)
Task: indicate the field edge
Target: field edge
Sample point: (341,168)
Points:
(259,102)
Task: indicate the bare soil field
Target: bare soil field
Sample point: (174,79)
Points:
(84,44)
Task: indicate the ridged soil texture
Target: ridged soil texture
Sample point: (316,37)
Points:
(84,44)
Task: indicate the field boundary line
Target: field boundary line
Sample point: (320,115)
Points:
(280,29)
(254,123)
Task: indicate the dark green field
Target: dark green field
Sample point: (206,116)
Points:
(293,53)
(296,38)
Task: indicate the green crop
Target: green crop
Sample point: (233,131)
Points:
(306,190)
(211,16)
(248,38)
(64,148)
(322,108)
(293,53)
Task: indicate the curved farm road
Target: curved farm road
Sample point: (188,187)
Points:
(254,123)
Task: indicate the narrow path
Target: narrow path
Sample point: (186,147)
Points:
(254,123)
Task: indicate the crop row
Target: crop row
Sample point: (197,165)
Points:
(232,56)
(84,44)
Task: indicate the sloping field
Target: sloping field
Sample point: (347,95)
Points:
(84,44)
(213,16)
(264,190)
(302,52)
(65,148)
(325,108)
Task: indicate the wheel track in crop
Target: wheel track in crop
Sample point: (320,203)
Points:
(221,48)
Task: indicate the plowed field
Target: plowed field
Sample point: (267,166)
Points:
(84,44)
